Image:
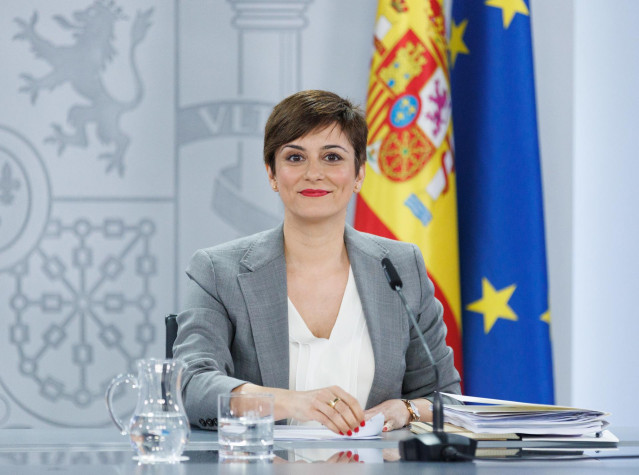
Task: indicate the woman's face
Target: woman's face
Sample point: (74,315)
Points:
(315,175)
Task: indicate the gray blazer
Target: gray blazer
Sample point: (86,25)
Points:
(235,326)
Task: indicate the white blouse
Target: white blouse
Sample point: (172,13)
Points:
(345,359)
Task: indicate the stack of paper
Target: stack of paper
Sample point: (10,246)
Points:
(425,427)
(496,416)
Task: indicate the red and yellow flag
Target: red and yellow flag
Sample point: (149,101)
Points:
(409,192)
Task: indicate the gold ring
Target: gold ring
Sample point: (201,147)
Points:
(333,402)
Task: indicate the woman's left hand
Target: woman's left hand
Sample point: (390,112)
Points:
(395,413)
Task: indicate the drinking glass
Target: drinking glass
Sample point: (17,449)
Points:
(245,426)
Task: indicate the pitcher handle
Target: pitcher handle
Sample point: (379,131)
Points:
(119,379)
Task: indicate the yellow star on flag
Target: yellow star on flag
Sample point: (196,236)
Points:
(545,317)
(456,44)
(493,304)
(509,8)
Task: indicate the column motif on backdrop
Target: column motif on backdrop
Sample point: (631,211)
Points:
(410,188)
(243,119)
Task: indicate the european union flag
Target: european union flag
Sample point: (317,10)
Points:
(506,321)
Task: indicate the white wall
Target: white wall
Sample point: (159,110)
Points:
(553,47)
(606,229)
(587,72)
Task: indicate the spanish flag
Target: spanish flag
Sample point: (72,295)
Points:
(410,193)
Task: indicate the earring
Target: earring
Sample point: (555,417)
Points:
(274,186)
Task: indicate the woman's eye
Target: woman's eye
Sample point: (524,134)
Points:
(332,157)
(294,158)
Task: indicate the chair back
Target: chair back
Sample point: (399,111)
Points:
(171,333)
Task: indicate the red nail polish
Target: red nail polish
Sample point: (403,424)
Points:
(341,433)
(349,454)
(356,429)
(356,458)
(340,454)
(349,433)
(363,423)
(385,429)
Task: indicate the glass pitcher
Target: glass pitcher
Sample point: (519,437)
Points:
(159,428)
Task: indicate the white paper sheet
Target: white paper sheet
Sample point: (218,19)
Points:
(372,430)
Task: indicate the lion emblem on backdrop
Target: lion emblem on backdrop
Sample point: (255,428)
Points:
(81,65)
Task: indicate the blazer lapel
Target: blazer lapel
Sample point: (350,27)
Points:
(264,290)
(380,308)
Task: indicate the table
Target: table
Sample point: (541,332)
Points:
(104,451)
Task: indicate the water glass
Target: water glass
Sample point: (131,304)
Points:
(245,426)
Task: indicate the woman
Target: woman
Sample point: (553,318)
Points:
(304,311)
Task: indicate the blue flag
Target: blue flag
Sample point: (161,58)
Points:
(505,315)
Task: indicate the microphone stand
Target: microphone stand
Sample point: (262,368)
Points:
(437,446)
(438,408)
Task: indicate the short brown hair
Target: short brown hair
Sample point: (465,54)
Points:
(305,111)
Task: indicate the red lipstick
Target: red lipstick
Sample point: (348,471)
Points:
(313,193)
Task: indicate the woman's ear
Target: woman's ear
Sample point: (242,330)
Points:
(359,180)
(271,178)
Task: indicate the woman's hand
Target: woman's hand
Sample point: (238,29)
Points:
(333,407)
(344,457)
(396,414)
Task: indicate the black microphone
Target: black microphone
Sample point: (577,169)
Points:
(438,445)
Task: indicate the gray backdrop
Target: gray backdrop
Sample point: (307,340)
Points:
(130,135)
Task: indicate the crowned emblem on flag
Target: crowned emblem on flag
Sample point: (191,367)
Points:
(407,64)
